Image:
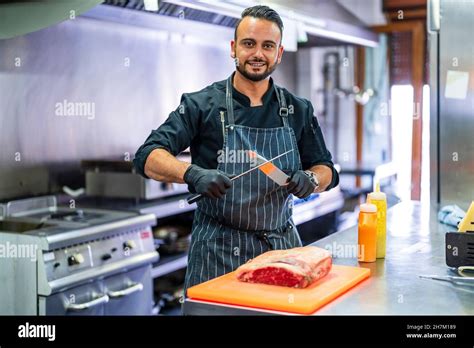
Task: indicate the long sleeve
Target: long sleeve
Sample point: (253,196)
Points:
(174,135)
(312,147)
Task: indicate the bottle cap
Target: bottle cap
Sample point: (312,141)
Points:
(368,208)
(376,195)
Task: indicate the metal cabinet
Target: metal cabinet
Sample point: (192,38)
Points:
(127,293)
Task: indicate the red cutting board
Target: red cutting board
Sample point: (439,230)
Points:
(227,289)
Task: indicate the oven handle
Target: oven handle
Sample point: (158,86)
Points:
(121,293)
(87,305)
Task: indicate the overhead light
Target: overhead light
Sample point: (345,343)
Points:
(221,8)
(151,5)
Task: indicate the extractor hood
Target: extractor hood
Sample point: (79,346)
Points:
(19,17)
(307,22)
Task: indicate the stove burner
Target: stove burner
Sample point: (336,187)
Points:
(72,216)
(43,212)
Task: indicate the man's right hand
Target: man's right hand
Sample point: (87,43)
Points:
(208,182)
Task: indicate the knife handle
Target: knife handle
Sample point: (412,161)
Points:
(194,198)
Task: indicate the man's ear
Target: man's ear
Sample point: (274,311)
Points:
(280,53)
(232,48)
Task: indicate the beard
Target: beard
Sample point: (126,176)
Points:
(255,77)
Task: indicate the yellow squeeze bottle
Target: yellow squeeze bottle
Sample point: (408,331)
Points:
(380,201)
(467,223)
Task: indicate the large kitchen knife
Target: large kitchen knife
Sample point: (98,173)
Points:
(198,196)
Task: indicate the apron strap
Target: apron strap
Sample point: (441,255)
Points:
(283,110)
(228,101)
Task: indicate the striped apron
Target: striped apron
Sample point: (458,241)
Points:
(254,216)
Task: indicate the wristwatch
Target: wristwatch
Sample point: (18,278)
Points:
(313,178)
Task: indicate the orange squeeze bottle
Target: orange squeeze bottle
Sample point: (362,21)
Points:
(367,233)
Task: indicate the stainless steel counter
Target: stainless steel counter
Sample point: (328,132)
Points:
(415,245)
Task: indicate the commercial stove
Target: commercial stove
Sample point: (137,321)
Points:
(65,261)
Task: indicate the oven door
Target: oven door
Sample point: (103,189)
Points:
(130,293)
(88,299)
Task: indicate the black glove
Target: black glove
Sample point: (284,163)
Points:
(300,184)
(208,182)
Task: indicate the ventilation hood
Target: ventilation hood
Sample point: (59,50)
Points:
(19,17)
(308,23)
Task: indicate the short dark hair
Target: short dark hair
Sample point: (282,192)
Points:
(263,12)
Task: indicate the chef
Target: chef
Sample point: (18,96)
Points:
(238,220)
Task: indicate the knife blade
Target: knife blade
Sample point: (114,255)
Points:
(271,170)
(451,279)
(198,196)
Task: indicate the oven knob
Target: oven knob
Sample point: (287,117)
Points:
(129,244)
(105,257)
(75,259)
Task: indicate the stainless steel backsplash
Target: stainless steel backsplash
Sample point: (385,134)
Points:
(93,89)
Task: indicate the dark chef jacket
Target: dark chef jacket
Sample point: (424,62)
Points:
(196,124)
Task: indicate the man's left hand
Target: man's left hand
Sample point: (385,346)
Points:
(301,185)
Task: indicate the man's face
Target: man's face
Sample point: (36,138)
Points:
(257,49)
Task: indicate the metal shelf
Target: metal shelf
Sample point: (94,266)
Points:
(173,206)
(161,207)
(168,264)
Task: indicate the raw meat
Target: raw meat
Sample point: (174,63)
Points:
(296,268)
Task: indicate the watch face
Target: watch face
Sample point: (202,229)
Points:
(313,177)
